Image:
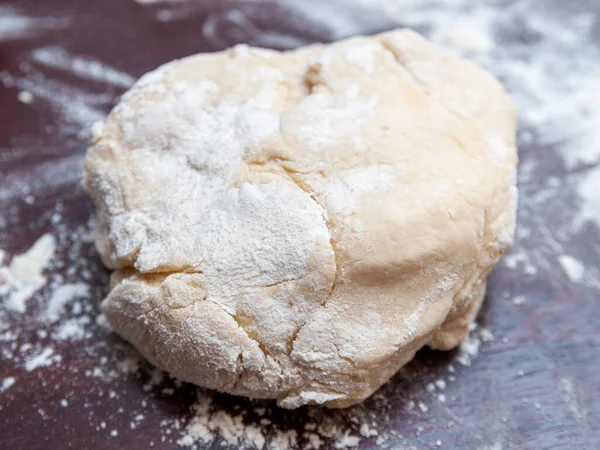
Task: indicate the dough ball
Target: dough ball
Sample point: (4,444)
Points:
(297,225)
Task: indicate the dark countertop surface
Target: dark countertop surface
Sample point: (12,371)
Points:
(528,378)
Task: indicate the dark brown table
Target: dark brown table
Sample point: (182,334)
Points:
(534,385)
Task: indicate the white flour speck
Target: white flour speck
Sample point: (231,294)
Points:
(45,358)
(519,300)
(7,383)
(573,268)
(486,335)
(25,97)
(571,398)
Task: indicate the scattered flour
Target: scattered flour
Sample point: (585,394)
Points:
(486,335)
(7,383)
(48,174)
(494,446)
(571,398)
(589,195)
(573,268)
(15,25)
(519,300)
(62,296)
(81,66)
(76,106)
(25,97)
(23,277)
(367,431)
(527,49)
(339,22)
(347,441)
(75,328)
(210,423)
(44,358)
(469,348)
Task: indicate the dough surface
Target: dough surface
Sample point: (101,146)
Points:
(297,225)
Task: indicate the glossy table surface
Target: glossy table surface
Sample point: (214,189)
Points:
(533,382)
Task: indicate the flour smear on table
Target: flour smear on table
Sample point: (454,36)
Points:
(547,60)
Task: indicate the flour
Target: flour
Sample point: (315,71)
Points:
(81,66)
(344,194)
(62,296)
(486,335)
(25,97)
(209,423)
(15,25)
(571,397)
(51,174)
(469,349)
(347,441)
(557,101)
(219,125)
(337,17)
(572,267)
(363,58)
(51,311)
(203,426)
(331,122)
(519,300)
(444,285)
(589,196)
(553,78)
(212,28)
(24,276)
(284,440)
(46,357)
(472,33)
(494,446)
(76,328)
(6,384)
(76,106)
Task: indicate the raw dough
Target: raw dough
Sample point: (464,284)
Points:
(297,225)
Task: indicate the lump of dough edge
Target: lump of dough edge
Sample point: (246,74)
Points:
(296,225)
